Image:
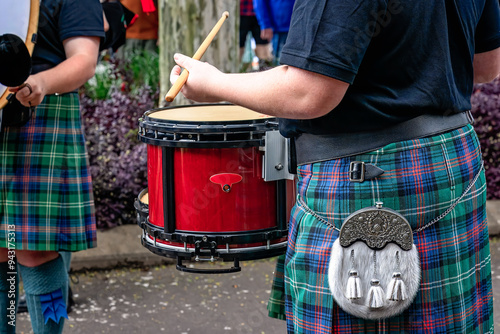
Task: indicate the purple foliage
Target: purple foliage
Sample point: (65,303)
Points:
(486,111)
(118,161)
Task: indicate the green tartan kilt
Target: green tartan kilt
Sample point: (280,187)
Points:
(422,179)
(46,200)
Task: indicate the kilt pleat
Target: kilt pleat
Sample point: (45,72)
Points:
(45,184)
(422,179)
(276,304)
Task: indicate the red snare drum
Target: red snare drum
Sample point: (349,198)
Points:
(207,198)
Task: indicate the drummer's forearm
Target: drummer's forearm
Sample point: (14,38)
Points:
(284,92)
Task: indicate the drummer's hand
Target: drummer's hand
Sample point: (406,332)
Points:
(201,84)
(31,93)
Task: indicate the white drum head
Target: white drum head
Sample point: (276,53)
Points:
(208,113)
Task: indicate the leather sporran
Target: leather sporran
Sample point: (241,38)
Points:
(374,270)
(14,114)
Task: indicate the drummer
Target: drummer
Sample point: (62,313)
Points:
(385,85)
(46,204)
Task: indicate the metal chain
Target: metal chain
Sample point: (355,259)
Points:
(432,222)
(352,258)
(315,215)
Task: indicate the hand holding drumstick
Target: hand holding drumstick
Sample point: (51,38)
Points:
(283,91)
(181,79)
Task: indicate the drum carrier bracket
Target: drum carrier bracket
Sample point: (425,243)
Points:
(276,157)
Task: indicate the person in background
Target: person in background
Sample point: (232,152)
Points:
(375,96)
(274,21)
(142,35)
(116,19)
(249,24)
(46,189)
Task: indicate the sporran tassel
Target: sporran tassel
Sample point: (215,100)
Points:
(353,290)
(396,290)
(375,295)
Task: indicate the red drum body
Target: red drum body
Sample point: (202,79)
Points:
(202,203)
(207,198)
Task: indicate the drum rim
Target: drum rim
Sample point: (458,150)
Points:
(222,238)
(146,119)
(157,131)
(242,254)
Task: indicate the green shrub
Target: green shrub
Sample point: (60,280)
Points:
(111,104)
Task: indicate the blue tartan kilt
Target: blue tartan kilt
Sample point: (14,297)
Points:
(422,179)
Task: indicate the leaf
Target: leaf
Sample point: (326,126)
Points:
(485,102)
(118,160)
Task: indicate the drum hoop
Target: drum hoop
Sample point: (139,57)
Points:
(165,126)
(202,144)
(231,250)
(29,40)
(242,254)
(197,126)
(221,238)
(208,128)
(204,134)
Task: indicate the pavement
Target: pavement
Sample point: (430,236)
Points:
(117,247)
(161,299)
(124,288)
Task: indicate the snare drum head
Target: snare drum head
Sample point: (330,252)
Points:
(20,18)
(207,113)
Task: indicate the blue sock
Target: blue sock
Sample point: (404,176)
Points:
(43,284)
(8,298)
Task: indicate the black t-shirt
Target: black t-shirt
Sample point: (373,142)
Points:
(403,58)
(63,19)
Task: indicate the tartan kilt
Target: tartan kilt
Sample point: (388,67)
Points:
(46,189)
(422,179)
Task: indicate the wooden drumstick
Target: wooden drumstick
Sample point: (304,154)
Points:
(181,80)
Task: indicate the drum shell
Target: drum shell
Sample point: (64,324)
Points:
(203,206)
(153,240)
